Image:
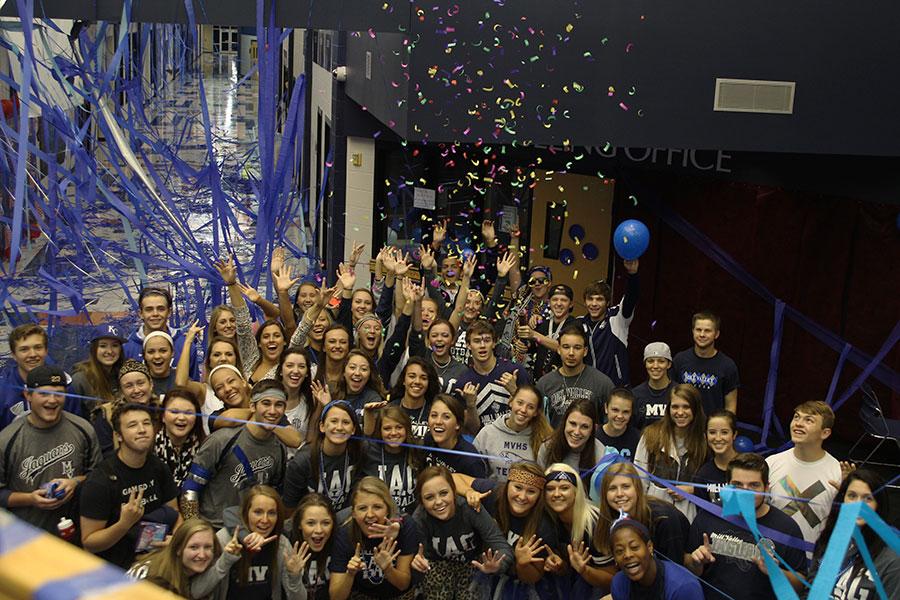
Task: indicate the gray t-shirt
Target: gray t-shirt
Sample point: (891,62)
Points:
(31,457)
(562,391)
(222,458)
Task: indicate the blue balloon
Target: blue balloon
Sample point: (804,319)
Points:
(566,256)
(631,239)
(743,444)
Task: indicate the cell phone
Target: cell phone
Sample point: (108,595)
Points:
(150,532)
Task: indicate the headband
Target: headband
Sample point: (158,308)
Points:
(273,393)
(161,334)
(527,477)
(625,521)
(343,404)
(230,367)
(562,476)
(367,317)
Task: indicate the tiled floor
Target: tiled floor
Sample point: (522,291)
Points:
(175,121)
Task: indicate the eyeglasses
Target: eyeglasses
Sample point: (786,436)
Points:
(537,281)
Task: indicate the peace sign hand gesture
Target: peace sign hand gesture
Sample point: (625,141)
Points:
(356,564)
(491,562)
(296,561)
(419,562)
(386,553)
(132,511)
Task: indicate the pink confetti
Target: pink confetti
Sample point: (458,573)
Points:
(623,106)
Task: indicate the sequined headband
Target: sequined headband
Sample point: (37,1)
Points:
(562,476)
(527,478)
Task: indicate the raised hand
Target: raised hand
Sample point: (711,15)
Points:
(553,563)
(320,392)
(474,498)
(846,468)
(254,541)
(375,405)
(403,264)
(389,530)
(133,510)
(510,381)
(491,562)
(356,564)
(439,231)
(505,263)
(234,546)
(468,268)
(194,330)
(703,555)
(227,270)
(356,253)
(631,266)
(579,557)
(386,553)
(283,278)
(325,295)
(527,551)
(277,259)
(427,258)
(296,561)
(346,276)
(470,392)
(388,260)
(419,562)
(487,231)
(251,292)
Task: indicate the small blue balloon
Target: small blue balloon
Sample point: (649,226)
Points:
(590,251)
(566,256)
(576,232)
(631,239)
(743,444)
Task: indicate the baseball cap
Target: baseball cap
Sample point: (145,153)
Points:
(562,289)
(107,331)
(657,350)
(46,375)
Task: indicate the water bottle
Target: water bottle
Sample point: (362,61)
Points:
(66,529)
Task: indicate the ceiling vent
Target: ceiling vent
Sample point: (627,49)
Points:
(754,96)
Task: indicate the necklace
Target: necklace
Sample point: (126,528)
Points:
(575,385)
(439,365)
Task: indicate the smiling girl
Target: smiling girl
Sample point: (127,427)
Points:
(332,463)
(190,553)
(158,352)
(518,435)
(181,434)
(261,563)
(393,462)
(458,540)
(674,447)
(416,389)
(97,376)
(721,430)
(445,421)
(573,442)
(361,385)
(293,372)
(313,524)
(373,549)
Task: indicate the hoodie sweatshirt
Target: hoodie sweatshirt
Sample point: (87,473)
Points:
(497,441)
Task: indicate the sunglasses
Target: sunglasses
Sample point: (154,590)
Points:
(537,281)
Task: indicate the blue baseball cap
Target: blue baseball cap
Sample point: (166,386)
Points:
(107,331)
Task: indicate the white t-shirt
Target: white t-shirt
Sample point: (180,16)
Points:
(791,478)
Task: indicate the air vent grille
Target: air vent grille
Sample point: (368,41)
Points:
(755,96)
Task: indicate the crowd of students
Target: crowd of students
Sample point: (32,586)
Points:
(430,436)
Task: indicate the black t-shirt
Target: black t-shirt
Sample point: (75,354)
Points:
(393,469)
(457,463)
(370,580)
(419,418)
(711,479)
(546,529)
(649,404)
(624,444)
(668,530)
(259,577)
(108,487)
(334,478)
(734,571)
(715,377)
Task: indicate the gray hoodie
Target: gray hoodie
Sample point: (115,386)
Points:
(499,442)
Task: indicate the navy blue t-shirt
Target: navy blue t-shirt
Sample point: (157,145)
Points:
(370,580)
